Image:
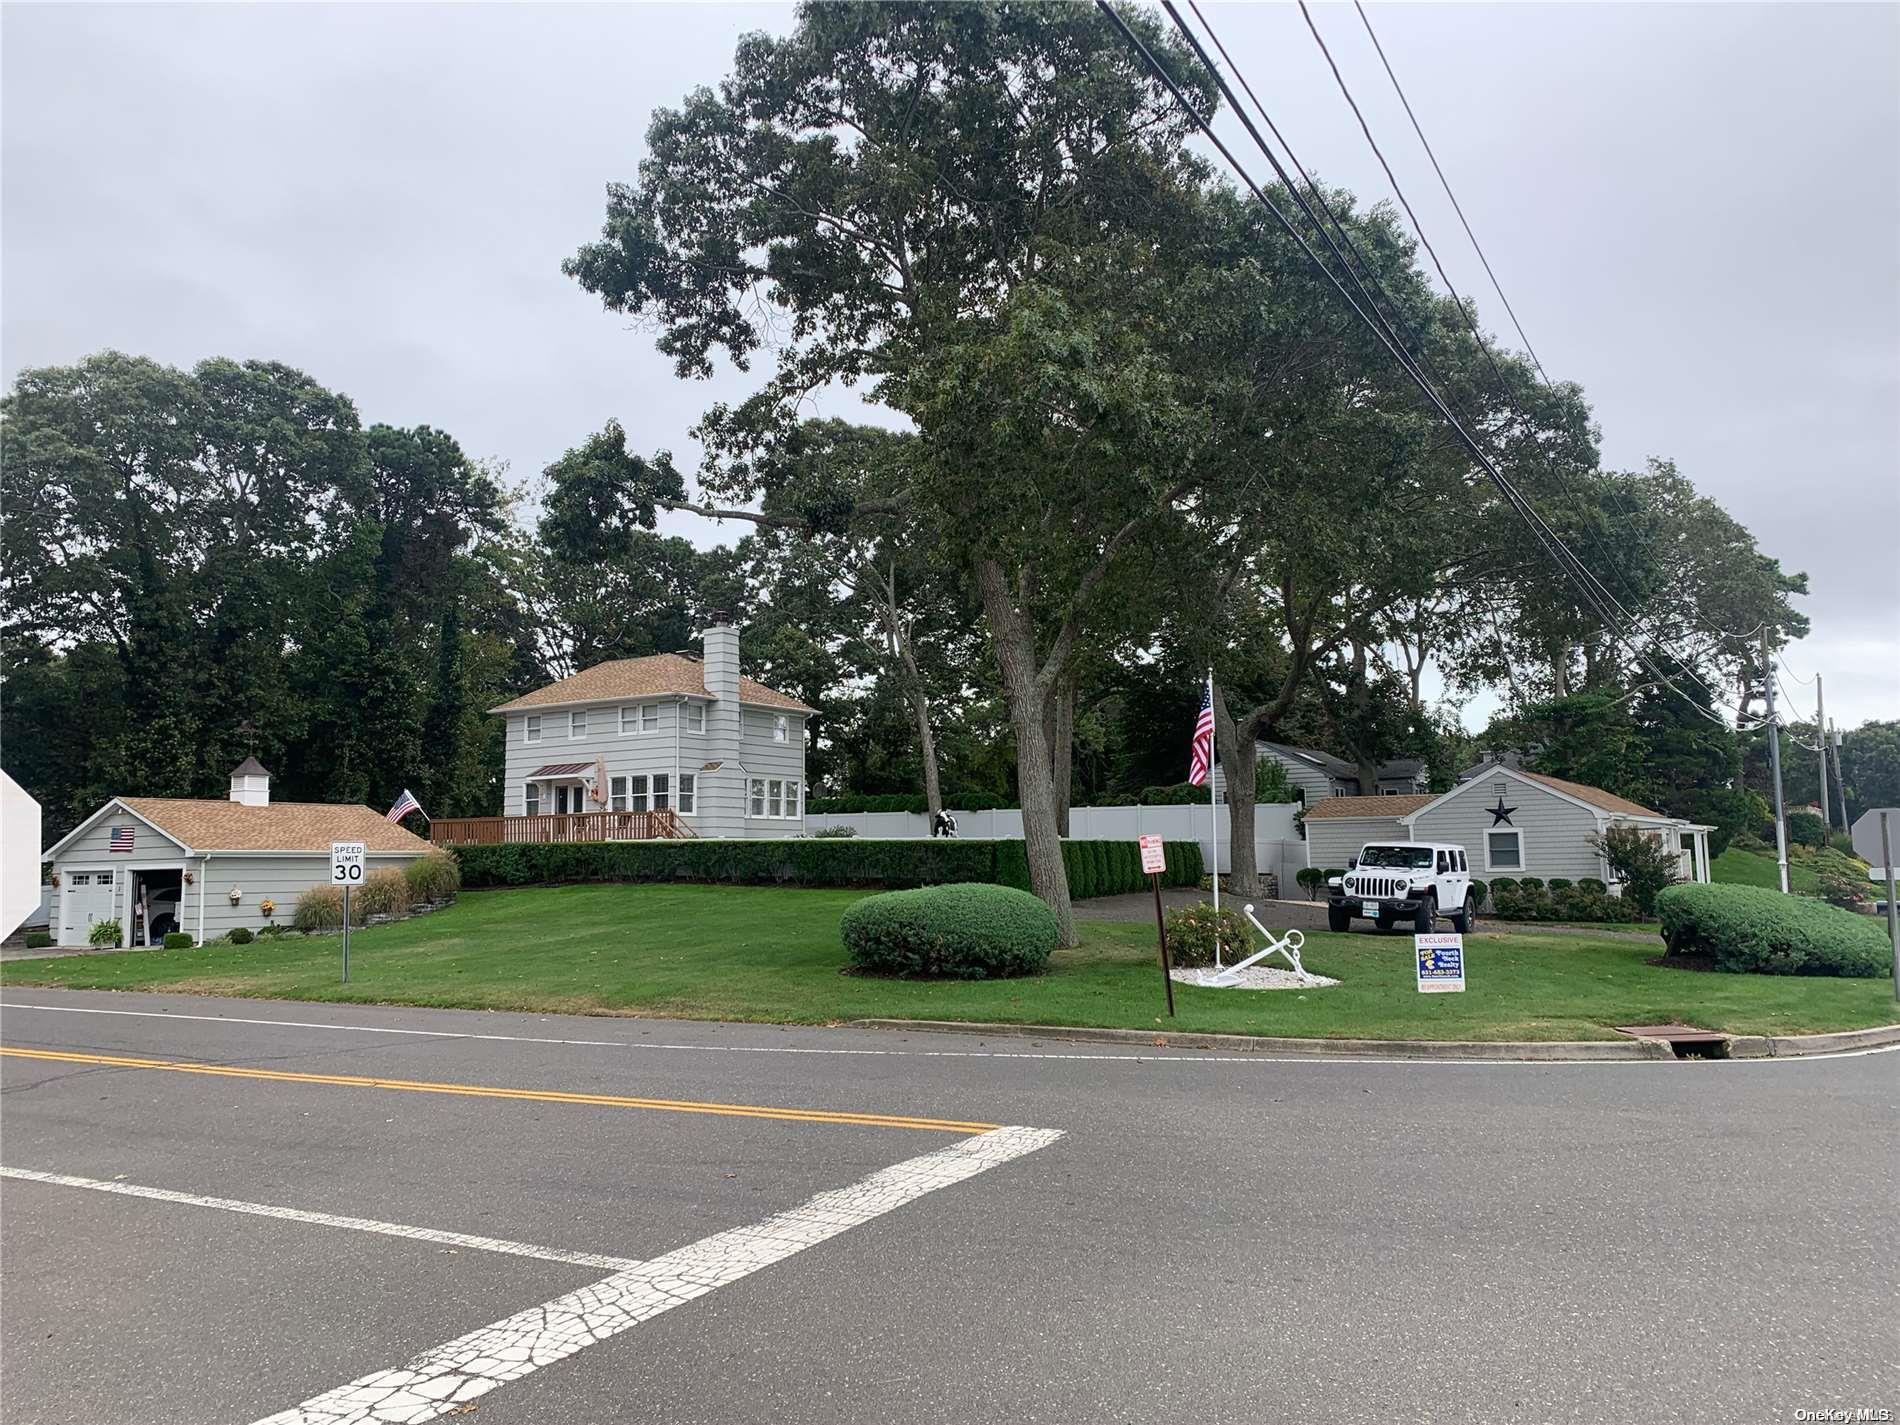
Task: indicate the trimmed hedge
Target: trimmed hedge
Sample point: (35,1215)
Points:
(1751,930)
(178,940)
(1105,867)
(38,939)
(959,932)
(240,936)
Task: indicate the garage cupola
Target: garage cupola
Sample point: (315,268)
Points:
(250,784)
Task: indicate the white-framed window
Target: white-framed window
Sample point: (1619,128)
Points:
(577,723)
(617,794)
(645,717)
(695,714)
(531,798)
(79,878)
(689,793)
(781,728)
(531,728)
(662,797)
(1504,849)
(774,798)
(636,794)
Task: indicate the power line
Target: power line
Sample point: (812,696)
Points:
(1458,208)
(1443,182)
(1561,555)
(1577,505)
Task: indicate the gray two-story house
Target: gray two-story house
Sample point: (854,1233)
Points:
(1316,775)
(718,754)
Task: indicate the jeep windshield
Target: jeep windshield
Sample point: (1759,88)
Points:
(1397,858)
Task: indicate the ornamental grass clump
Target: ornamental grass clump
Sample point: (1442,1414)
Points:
(967,931)
(1749,929)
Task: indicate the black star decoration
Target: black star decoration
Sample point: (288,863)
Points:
(1500,814)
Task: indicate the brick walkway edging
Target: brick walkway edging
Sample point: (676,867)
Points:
(1740,1046)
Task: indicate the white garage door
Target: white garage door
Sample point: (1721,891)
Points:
(86,897)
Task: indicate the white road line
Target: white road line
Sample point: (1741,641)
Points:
(329,1219)
(449,1376)
(1174,1057)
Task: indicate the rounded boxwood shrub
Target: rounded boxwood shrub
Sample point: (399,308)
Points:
(1193,928)
(1532,884)
(1750,929)
(1558,883)
(178,940)
(1479,891)
(1593,885)
(241,936)
(965,931)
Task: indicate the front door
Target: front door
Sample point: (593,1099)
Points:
(85,899)
(568,800)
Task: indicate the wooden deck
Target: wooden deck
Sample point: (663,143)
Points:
(559,827)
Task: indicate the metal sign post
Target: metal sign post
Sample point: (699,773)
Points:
(1893,911)
(1154,861)
(346,870)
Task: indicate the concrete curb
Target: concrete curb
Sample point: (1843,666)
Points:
(1569,1051)
(1794,1046)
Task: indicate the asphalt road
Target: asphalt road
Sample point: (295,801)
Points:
(1210,1238)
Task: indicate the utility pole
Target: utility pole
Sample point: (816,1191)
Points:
(1820,746)
(1774,760)
(1834,737)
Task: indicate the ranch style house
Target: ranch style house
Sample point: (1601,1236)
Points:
(1510,822)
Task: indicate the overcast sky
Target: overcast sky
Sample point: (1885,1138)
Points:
(1694,209)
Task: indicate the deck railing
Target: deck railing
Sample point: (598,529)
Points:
(559,827)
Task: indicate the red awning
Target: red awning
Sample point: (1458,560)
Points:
(561,769)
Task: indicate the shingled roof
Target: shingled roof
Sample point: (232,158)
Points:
(659,674)
(206,825)
(1596,796)
(1344,808)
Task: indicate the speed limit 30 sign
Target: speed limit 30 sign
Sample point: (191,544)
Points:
(346,863)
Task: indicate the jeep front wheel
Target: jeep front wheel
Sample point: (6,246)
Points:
(1338,918)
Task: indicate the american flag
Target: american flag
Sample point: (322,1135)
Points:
(1201,749)
(121,839)
(405,804)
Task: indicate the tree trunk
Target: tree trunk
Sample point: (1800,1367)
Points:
(1240,756)
(914,691)
(1027,697)
(1062,750)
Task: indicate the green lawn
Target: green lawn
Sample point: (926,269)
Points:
(1758,868)
(773,955)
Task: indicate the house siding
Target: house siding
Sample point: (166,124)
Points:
(1301,776)
(278,879)
(1332,841)
(733,735)
(92,844)
(1556,832)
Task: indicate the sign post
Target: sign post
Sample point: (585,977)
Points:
(1154,861)
(346,870)
(1893,911)
(1441,963)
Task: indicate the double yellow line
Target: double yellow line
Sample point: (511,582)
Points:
(663,1105)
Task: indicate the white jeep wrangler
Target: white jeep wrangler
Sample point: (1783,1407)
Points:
(1390,882)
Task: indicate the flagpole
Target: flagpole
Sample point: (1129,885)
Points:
(1213,811)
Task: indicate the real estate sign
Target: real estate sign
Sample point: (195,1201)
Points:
(1441,963)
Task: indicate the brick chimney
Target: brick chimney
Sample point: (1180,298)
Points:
(250,784)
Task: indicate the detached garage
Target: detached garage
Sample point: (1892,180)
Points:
(159,864)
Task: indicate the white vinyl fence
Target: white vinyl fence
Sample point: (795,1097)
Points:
(1277,846)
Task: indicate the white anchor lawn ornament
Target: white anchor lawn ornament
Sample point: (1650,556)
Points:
(1287,947)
